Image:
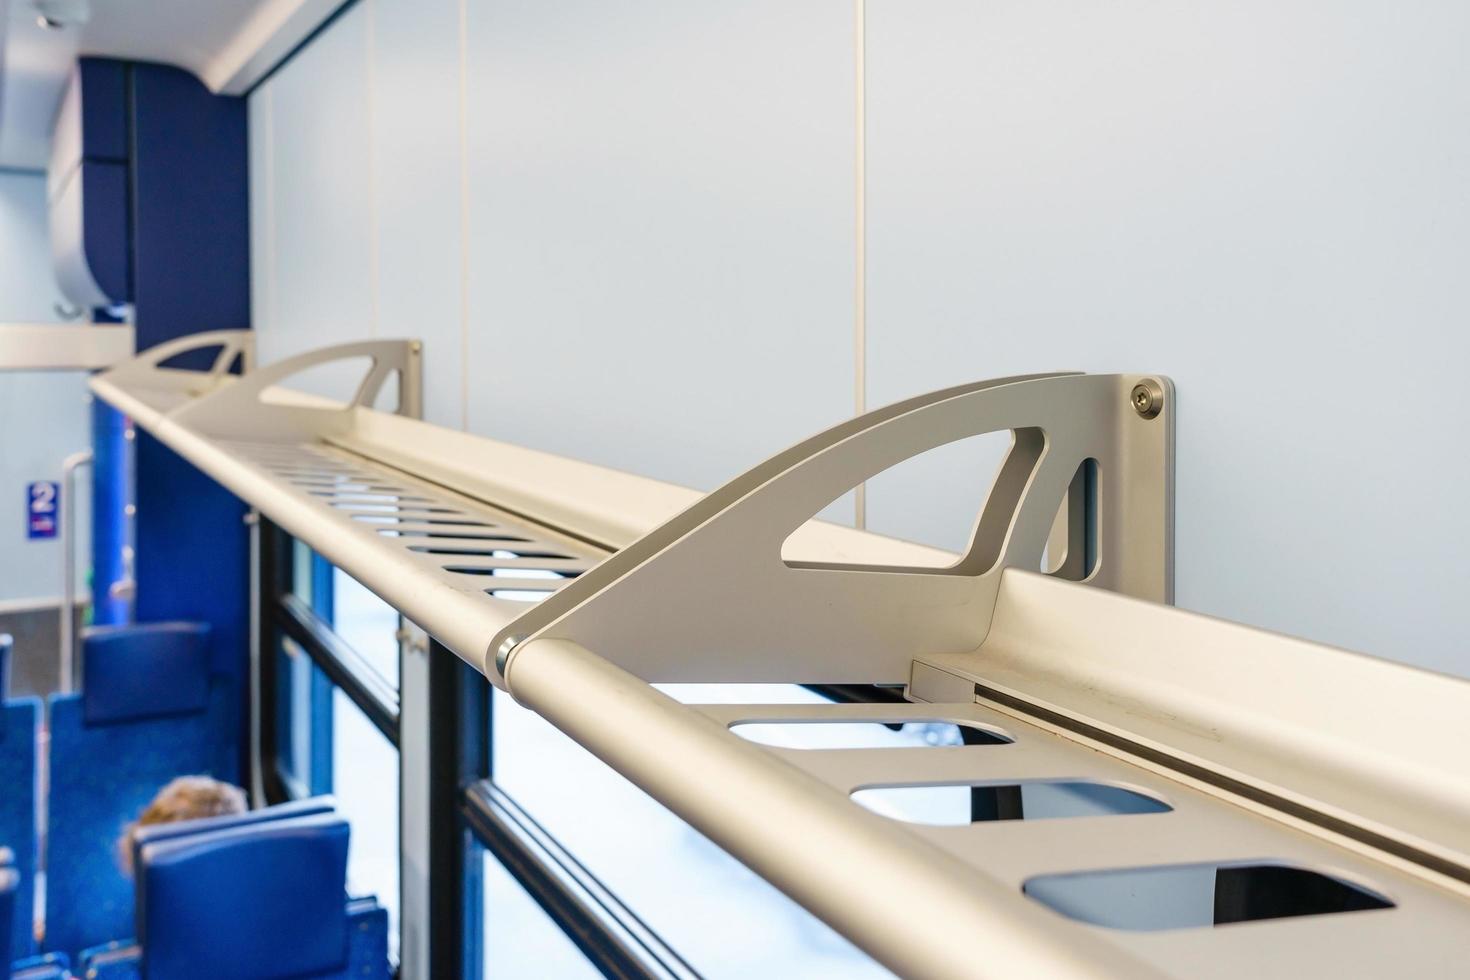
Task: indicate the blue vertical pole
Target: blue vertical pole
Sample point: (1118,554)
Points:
(112,498)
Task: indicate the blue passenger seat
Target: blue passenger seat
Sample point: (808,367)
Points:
(253,897)
(310,807)
(18,725)
(33,968)
(149,711)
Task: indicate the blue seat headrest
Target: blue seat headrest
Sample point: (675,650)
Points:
(134,672)
(250,902)
(6,642)
(184,828)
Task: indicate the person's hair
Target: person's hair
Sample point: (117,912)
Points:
(185,798)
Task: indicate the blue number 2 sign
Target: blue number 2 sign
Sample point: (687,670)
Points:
(41,515)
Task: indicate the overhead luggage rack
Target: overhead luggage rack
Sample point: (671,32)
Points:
(436,554)
(440,524)
(1311,805)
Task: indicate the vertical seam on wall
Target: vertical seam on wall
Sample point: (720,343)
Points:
(860,256)
(272,252)
(130,199)
(372,169)
(464,220)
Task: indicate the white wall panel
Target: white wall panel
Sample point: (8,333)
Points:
(1264,200)
(320,261)
(416,182)
(262,215)
(658,229)
(28,288)
(661,228)
(43,416)
(46,417)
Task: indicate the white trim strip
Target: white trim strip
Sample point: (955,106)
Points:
(39,603)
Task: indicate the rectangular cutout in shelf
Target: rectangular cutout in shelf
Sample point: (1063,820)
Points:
(876,734)
(957,804)
(1192,896)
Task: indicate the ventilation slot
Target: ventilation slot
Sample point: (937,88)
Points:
(354,496)
(513,572)
(390,508)
(876,734)
(957,804)
(448,536)
(433,521)
(314,473)
(486,553)
(1189,896)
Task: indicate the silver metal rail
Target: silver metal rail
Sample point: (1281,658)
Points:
(67,681)
(903,900)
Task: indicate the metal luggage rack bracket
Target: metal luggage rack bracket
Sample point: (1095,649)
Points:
(1089,476)
(1104,684)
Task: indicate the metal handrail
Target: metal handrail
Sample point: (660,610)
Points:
(68,660)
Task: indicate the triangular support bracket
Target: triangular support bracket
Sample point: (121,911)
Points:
(708,596)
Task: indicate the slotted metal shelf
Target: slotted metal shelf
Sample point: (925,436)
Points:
(576,588)
(1200,828)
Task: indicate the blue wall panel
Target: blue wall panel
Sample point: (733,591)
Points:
(191,236)
(112,491)
(194,564)
(104,109)
(104,190)
(190,242)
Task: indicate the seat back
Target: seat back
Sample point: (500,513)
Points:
(147,713)
(18,725)
(184,828)
(130,673)
(253,901)
(8,882)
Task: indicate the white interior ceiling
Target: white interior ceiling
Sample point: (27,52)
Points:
(228,44)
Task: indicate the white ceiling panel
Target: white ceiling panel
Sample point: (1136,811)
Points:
(228,44)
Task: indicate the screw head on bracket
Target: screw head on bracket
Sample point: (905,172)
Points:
(1147,398)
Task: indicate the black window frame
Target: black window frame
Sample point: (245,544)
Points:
(468,813)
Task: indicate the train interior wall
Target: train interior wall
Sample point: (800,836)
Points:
(675,238)
(43,418)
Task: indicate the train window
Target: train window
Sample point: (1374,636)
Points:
(698,899)
(303,726)
(363,621)
(520,940)
(550,881)
(304,571)
(365,783)
(367,623)
(330,739)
